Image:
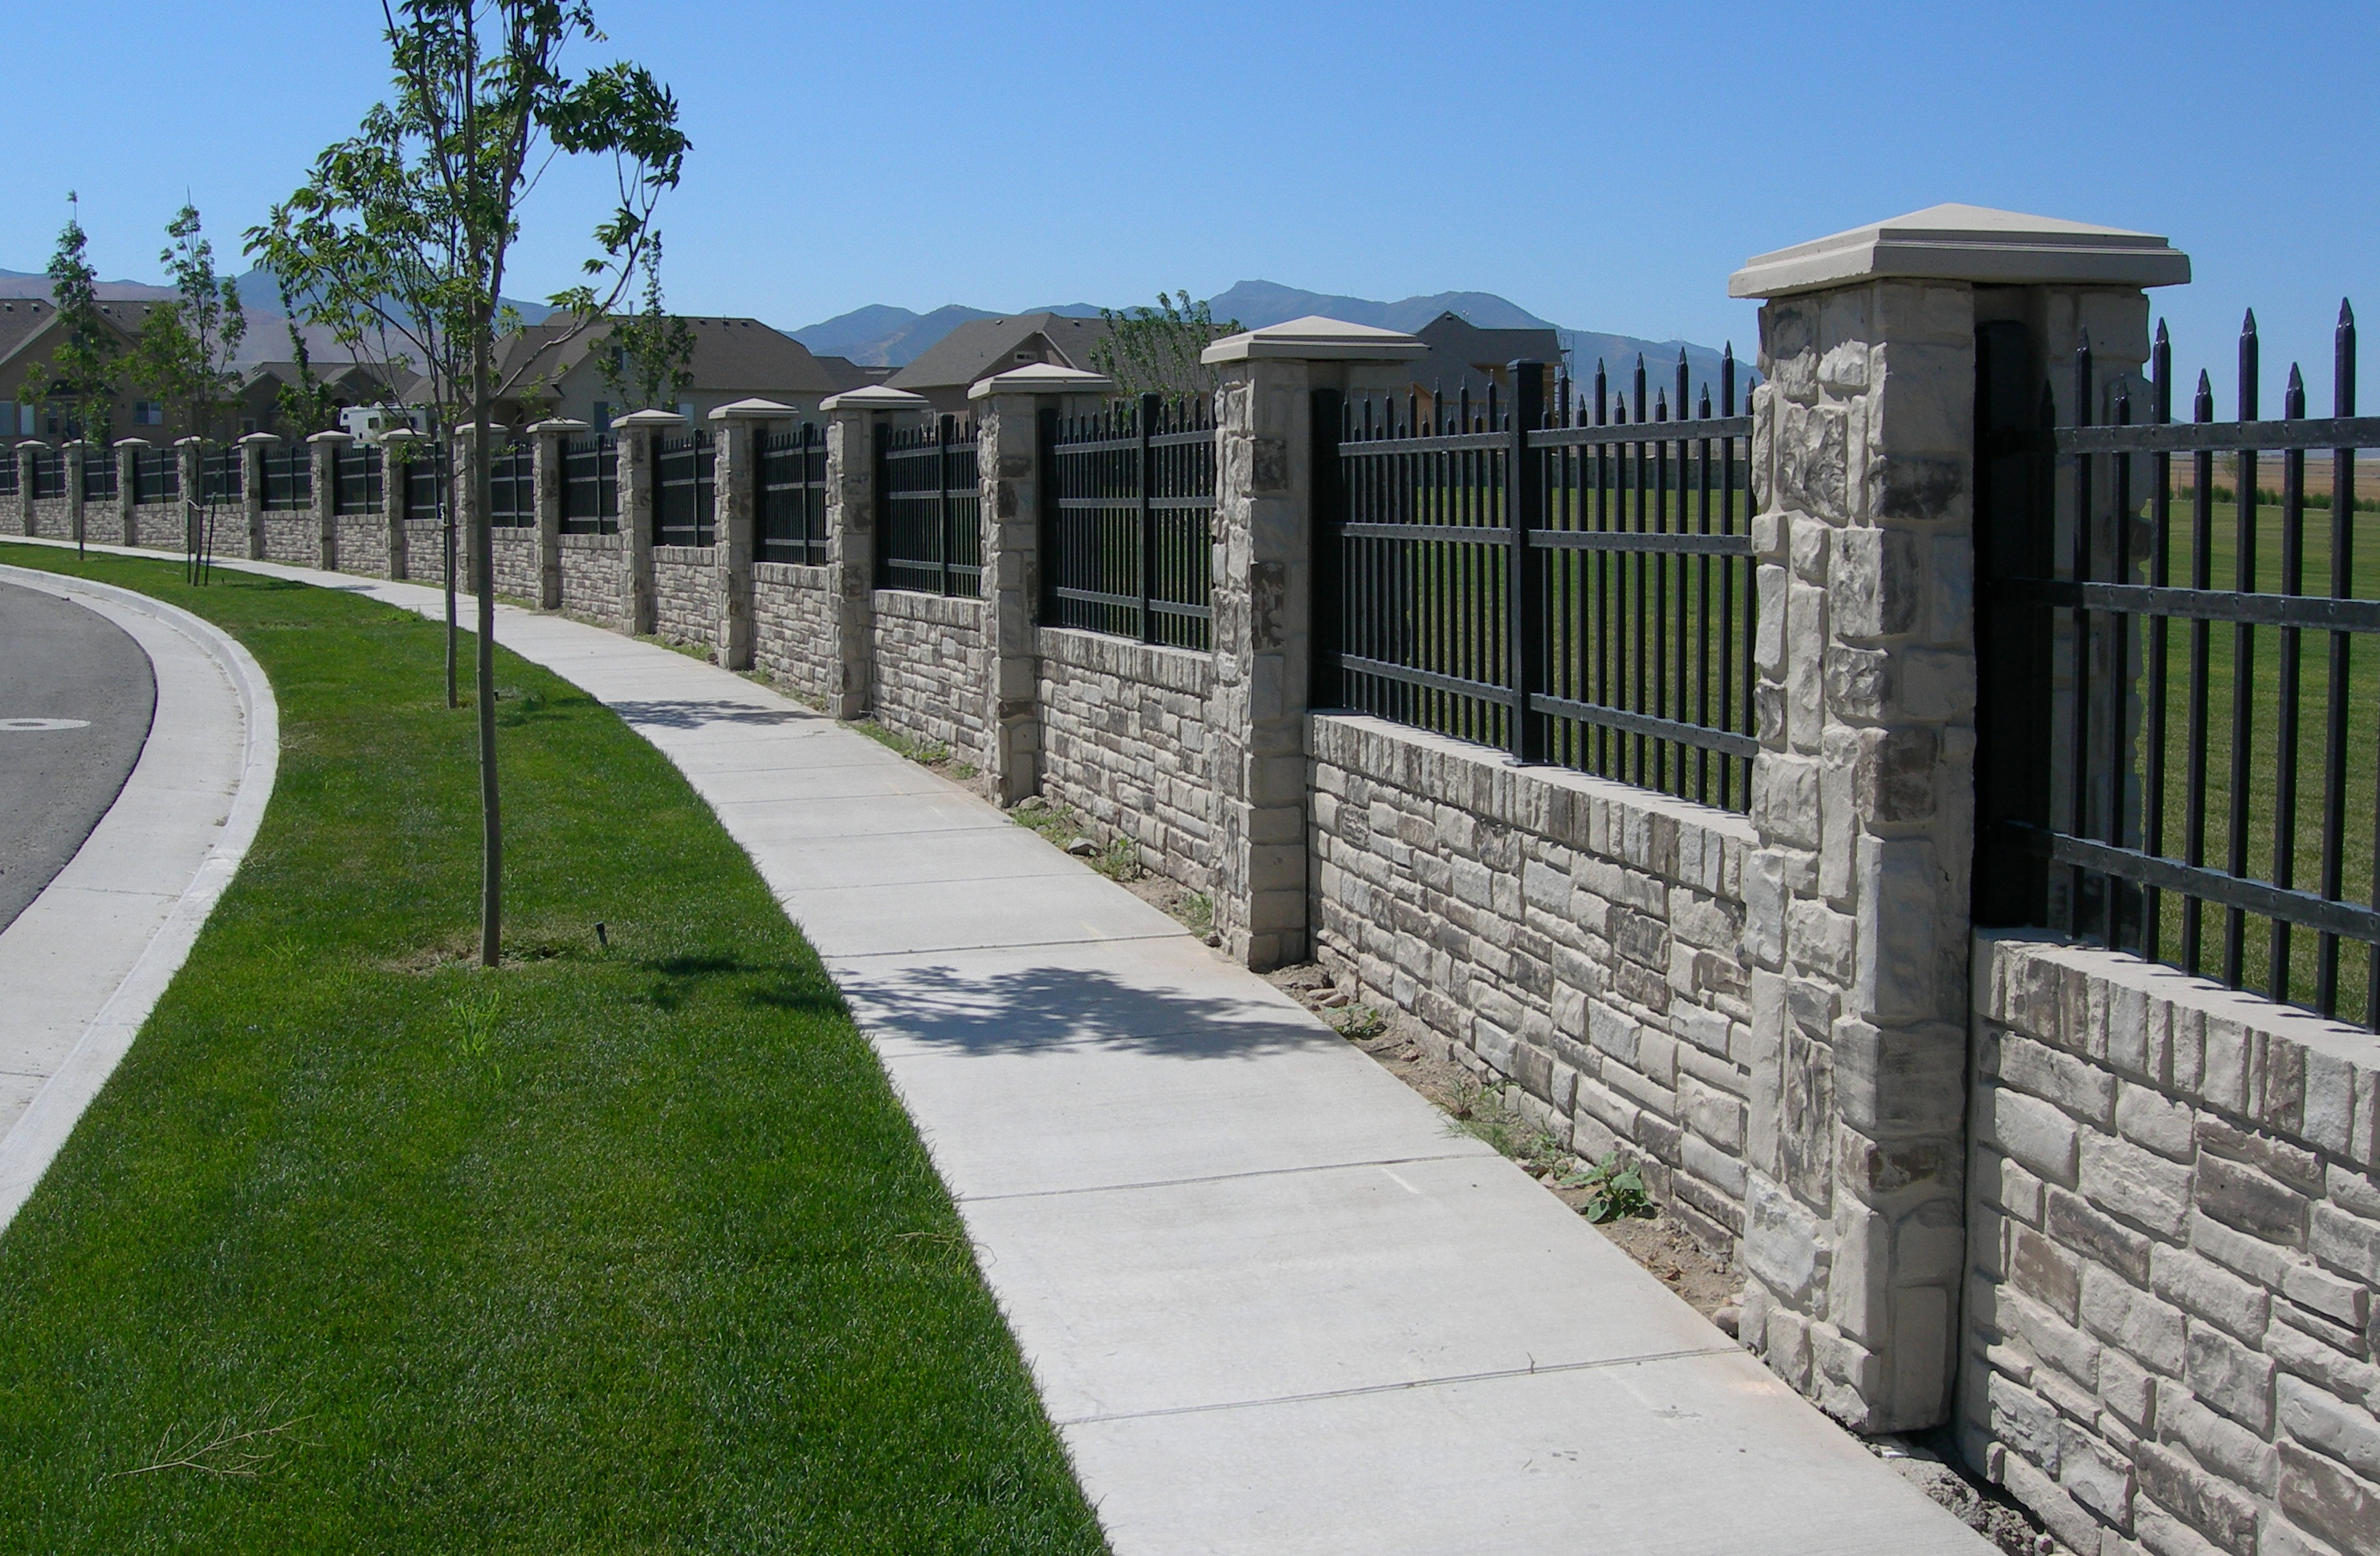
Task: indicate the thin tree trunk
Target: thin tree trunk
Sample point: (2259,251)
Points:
(483,557)
(446,506)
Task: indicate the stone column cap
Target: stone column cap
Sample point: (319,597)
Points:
(403,434)
(74,445)
(561,426)
(1315,339)
(875,396)
(1971,243)
(134,442)
(753,409)
(332,439)
(1041,378)
(655,419)
(193,441)
(33,442)
(258,440)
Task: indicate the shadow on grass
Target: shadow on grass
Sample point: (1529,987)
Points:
(776,985)
(1049,1007)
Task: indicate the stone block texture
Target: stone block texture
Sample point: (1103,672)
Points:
(686,594)
(1569,937)
(1127,744)
(592,568)
(2173,1257)
(792,621)
(53,518)
(293,538)
(513,549)
(927,652)
(159,525)
(363,545)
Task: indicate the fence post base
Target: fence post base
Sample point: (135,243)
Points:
(853,418)
(639,612)
(322,458)
(127,482)
(735,514)
(550,434)
(251,488)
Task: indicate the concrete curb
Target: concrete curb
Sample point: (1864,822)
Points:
(117,1012)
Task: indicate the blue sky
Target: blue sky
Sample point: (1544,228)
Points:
(1603,166)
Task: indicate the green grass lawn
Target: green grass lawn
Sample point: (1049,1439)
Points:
(616,1250)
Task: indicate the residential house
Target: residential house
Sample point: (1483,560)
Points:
(29,333)
(1463,355)
(551,372)
(350,385)
(980,347)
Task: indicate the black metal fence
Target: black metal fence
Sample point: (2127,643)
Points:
(512,486)
(1573,582)
(2200,786)
(8,477)
(789,495)
(684,509)
(220,475)
(49,472)
(356,479)
(156,475)
(591,487)
(1127,521)
(99,475)
(927,538)
(288,479)
(428,485)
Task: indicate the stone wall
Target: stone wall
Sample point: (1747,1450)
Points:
(2174,1242)
(514,551)
(927,681)
(294,538)
(53,517)
(1126,742)
(793,620)
(160,525)
(425,551)
(590,576)
(685,594)
(363,544)
(1573,937)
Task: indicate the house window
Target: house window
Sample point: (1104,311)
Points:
(148,413)
(7,419)
(685,409)
(602,416)
(1028,355)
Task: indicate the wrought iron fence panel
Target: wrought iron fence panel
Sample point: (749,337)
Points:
(591,487)
(927,538)
(356,479)
(8,476)
(789,495)
(99,475)
(156,475)
(2180,697)
(288,479)
(429,486)
(1571,582)
(220,475)
(683,500)
(512,486)
(49,472)
(1128,521)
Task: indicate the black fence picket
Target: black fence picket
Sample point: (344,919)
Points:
(927,538)
(49,472)
(512,486)
(220,475)
(789,495)
(288,479)
(356,479)
(156,475)
(591,487)
(427,483)
(99,475)
(1128,519)
(683,506)
(8,476)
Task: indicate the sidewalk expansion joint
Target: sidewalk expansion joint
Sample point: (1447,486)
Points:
(1219,1177)
(842,956)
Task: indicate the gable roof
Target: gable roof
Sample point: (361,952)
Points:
(729,355)
(1452,337)
(983,346)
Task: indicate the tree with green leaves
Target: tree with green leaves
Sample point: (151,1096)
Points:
(79,376)
(1156,349)
(647,356)
(183,353)
(406,228)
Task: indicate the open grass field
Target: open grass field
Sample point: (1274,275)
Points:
(623,1247)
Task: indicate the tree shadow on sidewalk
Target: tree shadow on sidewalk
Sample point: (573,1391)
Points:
(1051,1007)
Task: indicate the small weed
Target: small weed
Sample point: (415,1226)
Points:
(1618,1190)
(1358,1023)
(1480,1111)
(477,1015)
(924,753)
(1120,861)
(1051,820)
(1197,912)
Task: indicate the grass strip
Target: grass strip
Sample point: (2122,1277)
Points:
(624,1246)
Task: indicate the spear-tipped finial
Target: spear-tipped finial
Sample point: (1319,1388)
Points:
(2248,322)
(2162,339)
(2346,315)
(2293,397)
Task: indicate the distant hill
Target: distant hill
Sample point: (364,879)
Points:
(258,293)
(884,336)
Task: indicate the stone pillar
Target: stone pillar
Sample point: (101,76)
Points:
(76,452)
(469,445)
(853,419)
(734,494)
(1264,591)
(1856,933)
(1008,418)
(26,453)
(397,446)
(636,432)
(188,467)
(549,435)
(322,457)
(251,488)
(127,487)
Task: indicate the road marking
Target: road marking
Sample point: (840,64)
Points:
(7,725)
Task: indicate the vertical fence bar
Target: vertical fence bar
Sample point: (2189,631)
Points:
(1146,511)
(2201,577)
(2342,584)
(2119,686)
(2285,798)
(2160,547)
(1525,498)
(1329,550)
(2244,658)
(2079,748)
(944,430)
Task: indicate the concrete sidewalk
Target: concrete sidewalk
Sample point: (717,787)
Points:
(1273,1304)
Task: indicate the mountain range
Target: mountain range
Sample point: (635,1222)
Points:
(882,335)
(260,294)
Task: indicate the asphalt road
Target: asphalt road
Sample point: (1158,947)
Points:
(76,698)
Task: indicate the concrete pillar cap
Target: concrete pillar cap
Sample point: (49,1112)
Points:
(403,434)
(1041,378)
(557,425)
(655,419)
(753,409)
(134,442)
(332,439)
(33,442)
(875,396)
(193,441)
(259,440)
(1970,243)
(1315,339)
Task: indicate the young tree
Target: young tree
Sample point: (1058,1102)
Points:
(648,354)
(79,374)
(406,228)
(183,355)
(1157,349)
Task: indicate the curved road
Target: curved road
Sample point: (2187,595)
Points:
(76,698)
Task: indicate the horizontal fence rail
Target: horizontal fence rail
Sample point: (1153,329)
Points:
(99,475)
(591,487)
(928,539)
(1571,581)
(49,472)
(288,479)
(1127,520)
(2179,708)
(428,489)
(789,496)
(356,479)
(512,486)
(683,506)
(220,475)
(156,475)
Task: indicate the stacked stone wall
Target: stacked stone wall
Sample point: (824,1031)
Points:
(294,538)
(792,621)
(53,517)
(159,524)
(1125,741)
(592,565)
(2174,1244)
(685,594)
(1574,938)
(425,551)
(363,544)
(514,551)
(929,676)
